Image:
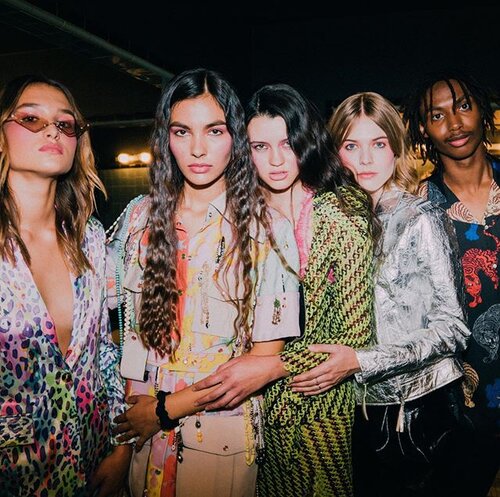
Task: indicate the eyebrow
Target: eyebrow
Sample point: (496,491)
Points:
(383,137)
(178,124)
(457,101)
(28,104)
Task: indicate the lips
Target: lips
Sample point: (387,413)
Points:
(458,140)
(278,175)
(366,175)
(199,168)
(52,148)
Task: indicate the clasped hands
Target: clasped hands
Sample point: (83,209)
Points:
(233,382)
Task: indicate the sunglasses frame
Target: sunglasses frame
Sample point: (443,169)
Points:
(79,128)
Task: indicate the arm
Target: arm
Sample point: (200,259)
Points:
(141,420)
(109,477)
(352,298)
(276,317)
(445,332)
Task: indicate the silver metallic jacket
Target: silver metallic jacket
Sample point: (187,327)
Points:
(420,324)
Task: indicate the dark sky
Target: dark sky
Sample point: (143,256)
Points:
(326,49)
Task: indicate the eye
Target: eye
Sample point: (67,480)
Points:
(436,116)
(66,124)
(178,131)
(464,106)
(287,144)
(379,145)
(28,118)
(259,147)
(350,146)
(215,132)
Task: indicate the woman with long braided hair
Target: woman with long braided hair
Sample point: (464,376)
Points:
(199,279)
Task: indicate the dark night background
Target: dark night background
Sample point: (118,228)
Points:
(326,50)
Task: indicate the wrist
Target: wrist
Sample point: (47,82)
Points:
(164,420)
(277,369)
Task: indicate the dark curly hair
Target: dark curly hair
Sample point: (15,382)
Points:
(245,207)
(418,103)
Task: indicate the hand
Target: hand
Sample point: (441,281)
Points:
(342,363)
(109,477)
(238,379)
(140,420)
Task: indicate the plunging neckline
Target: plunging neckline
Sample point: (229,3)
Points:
(50,319)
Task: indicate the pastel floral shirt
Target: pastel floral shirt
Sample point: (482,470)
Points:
(55,409)
(207,332)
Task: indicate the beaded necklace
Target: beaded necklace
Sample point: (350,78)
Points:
(124,316)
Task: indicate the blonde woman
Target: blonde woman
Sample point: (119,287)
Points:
(408,378)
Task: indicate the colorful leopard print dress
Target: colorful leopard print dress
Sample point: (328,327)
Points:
(55,409)
(308,439)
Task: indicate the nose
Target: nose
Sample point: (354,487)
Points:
(52,131)
(198,146)
(455,122)
(276,157)
(365,156)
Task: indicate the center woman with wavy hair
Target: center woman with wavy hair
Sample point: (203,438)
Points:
(199,279)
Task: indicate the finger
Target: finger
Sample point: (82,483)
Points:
(310,375)
(221,403)
(207,382)
(140,443)
(307,385)
(317,392)
(121,428)
(132,399)
(125,437)
(121,418)
(213,395)
(322,347)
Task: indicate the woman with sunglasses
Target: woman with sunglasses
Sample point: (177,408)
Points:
(59,381)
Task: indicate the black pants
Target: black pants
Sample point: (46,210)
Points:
(427,459)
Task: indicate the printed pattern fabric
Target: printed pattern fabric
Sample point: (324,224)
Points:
(207,333)
(479,243)
(308,439)
(55,410)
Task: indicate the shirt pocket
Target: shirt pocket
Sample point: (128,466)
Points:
(16,425)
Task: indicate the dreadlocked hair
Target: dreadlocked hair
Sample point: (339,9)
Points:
(245,206)
(419,102)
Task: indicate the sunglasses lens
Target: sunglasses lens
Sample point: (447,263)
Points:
(69,128)
(35,124)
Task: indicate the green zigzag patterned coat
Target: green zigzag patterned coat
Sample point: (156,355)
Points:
(308,439)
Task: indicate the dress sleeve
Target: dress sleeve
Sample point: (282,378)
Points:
(109,359)
(351,281)
(445,332)
(277,303)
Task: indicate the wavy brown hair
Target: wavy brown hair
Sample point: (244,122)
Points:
(383,113)
(75,191)
(245,206)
